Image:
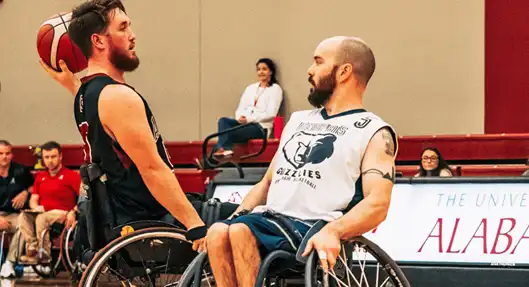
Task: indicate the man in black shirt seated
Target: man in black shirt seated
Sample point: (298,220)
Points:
(15,184)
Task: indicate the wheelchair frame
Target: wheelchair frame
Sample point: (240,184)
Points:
(294,262)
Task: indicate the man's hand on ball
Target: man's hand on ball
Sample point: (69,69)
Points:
(64,77)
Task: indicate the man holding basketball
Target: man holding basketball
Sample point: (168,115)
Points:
(117,124)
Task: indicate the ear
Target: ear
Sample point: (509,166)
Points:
(345,72)
(98,41)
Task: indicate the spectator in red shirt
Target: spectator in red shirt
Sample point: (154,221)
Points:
(53,200)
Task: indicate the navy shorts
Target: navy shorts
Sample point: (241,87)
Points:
(268,236)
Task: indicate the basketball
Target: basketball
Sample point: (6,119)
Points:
(53,44)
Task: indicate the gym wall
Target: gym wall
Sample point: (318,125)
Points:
(198,56)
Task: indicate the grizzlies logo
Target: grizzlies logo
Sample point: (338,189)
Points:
(303,148)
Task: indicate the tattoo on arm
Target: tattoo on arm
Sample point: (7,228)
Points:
(390,144)
(387,175)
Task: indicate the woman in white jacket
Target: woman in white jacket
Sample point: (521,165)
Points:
(259,103)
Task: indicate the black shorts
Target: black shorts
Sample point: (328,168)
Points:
(267,233)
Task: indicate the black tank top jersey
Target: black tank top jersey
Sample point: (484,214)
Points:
(130,196)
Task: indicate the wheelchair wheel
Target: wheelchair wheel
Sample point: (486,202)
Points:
(49,270)
(198,273)
(67,255)
(361,263)
(148,257)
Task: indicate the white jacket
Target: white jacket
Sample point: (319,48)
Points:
(260,105)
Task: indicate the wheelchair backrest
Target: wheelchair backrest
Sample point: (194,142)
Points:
(100,216)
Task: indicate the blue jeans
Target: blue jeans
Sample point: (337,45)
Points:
(242,135)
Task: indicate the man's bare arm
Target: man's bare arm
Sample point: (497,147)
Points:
(378,177)
(124,118)
(34,201)
(257,195)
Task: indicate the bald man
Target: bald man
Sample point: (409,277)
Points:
(335,163)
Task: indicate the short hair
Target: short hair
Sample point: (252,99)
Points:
(357,53)
(51,145)
(91,17)
(5,143)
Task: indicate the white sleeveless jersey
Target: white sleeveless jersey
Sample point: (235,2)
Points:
(317,165)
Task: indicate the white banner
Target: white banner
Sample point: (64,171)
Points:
(448,223)
(457,223)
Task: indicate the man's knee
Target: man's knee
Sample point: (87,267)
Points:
(218,234)
(25,216)
(240,232)
(41,222)
(25,220)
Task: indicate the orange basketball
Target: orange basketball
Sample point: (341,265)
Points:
(53,44)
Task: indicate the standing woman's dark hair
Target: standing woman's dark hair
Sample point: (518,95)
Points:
(441,163)
(272,66)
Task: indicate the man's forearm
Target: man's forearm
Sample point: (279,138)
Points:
(164,186)
(33,203)
(73,87)
(364,217)
(255,197)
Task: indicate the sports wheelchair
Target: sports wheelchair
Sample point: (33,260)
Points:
(161,256)
(361,263)
(61,249)
(138,253)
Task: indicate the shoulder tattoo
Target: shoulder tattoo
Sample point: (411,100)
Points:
(389,141)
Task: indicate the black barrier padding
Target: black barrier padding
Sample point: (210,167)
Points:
(251,175)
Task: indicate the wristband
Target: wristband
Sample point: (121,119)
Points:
(240,213)
(196,233)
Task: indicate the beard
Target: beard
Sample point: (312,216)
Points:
(322,92)
(122,61)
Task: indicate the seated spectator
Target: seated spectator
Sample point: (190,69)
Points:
(15,186)
(53,200)
(433,164)
(259,103)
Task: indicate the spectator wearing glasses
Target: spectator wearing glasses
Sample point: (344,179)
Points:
(433,164)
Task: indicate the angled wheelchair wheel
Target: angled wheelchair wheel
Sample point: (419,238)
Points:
(361,263)
(67,250)
(154,256)
(198,273)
